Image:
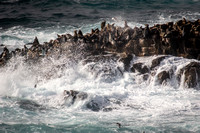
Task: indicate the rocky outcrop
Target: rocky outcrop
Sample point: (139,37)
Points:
(126,61)
(156,62)
(188,75)
(95,104)
(181,38)
(30,105)
(74,95)
(191,73)
(139,67)
(163,77)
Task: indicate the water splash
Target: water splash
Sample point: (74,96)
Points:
(126,97)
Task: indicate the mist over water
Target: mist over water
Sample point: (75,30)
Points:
(31,94)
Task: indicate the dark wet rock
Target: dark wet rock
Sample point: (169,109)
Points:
(156,62)
(107,109)
(126,61)
(30,105)
(163,76)
(191,73)
(191,80)
(74,95)
(181,38)
(145,76)
(96,105)
(2,62)
(93,106)
(140,68)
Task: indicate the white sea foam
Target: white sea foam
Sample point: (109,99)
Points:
(135,102)
(140,100)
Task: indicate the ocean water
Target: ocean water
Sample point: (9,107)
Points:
(31,95)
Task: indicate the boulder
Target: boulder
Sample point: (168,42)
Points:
(97,103)
(126,61)
(140,68)
(163,77)
(157,61)
(30,105)
(191,73)
(93,106)
(74,95)
(2,62)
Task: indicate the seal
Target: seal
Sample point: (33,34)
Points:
(119,124)
(146,31)
(5,54)
(80,34)
(125,24)
(103,24)
(36,42)
(75,36)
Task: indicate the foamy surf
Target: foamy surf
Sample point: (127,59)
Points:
(32,100)
(127,98)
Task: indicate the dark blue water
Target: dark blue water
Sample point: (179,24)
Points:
(47,13)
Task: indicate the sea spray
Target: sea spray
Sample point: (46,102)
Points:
(127,98)
(138,102)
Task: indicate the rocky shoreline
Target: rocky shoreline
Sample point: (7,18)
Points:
(181,38)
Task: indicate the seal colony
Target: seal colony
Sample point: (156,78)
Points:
(181,38)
